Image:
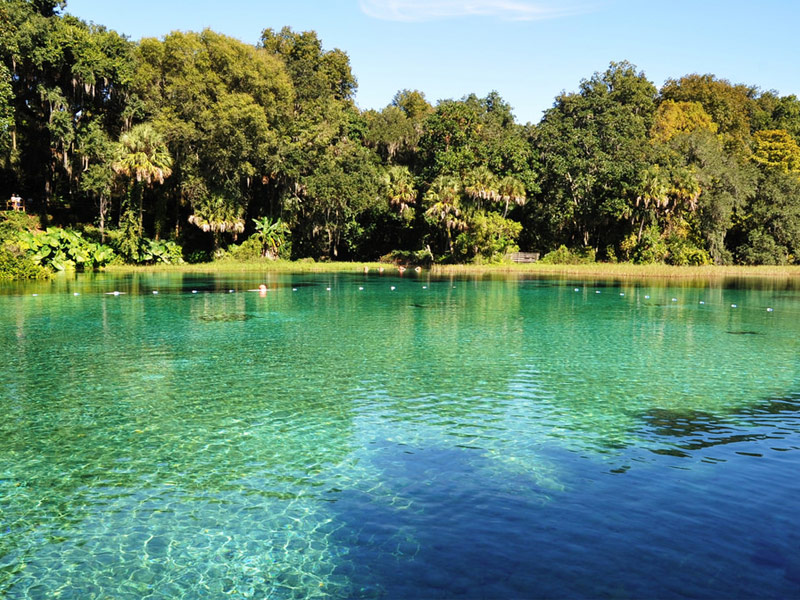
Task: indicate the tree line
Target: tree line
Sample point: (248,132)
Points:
(221,147)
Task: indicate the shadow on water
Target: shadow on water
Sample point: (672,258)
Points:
(443,524)
(448,523)
(768,426)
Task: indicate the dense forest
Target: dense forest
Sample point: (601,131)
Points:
(200,146)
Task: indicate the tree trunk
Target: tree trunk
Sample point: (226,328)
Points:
(103,209)
(140,193)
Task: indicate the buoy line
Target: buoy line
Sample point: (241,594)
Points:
(263,289)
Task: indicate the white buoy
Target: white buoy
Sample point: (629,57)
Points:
(194,291)
(361,287)
(230,291)
(769,310)
(36,294)
(76,294)
(155,291)
(329,289)
(733,306)
(622,293)
(392,288)
(647,297)
(597,291)
(577,290)
(701,302)
(424,287)
(294,289)
(674,299)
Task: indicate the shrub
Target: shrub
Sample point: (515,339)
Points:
(12,222)
(145,251)
(652,248)
(683,252)
(63,249)
(160,251)
(250,249)
(413,257)
(762,249)
(198,256)
(564,256)
(14,266)
(489,236)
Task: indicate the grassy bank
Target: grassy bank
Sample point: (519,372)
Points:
(255,266)
(599,270)
(626,270)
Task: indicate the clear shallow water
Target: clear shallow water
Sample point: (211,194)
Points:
(448,438)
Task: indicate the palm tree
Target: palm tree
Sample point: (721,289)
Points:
(141,157)
(443,196)
(510,189)
(481,184)
(217,214)
(684,189)
(400,187)
(652,191)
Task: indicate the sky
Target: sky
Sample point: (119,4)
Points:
(529,51)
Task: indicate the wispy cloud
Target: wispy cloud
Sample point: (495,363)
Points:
(428,10)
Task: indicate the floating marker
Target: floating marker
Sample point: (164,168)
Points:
(194,291)
(329,289)
(360,287)
(424,287)
(674,299)
(647,297)
(392,288)
(769,310)
(230,291)
(114,293)
(597,291)
(76,294)
(733,306)
(701,302)
(577,290)
(622,293)
(36,294)
(155,291)
(294,289)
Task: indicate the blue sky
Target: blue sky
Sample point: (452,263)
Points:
(527,50)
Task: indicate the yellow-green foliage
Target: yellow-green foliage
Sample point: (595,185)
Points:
(15,266)
(564,256)
(674,117)
(777,149)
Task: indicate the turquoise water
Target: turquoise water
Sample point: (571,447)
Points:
(337,438)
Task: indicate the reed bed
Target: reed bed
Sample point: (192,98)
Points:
(598,270)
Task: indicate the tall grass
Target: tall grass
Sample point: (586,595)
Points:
(253,266)
(599,270)
(625,270)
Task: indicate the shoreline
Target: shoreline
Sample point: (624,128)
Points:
(599,270)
